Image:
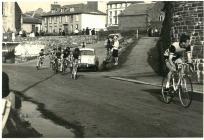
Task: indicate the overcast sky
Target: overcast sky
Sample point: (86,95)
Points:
(30,5)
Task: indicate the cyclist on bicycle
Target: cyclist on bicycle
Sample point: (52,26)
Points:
(66,55)
(175,53)
(58,56)
(76,54)
(40,58)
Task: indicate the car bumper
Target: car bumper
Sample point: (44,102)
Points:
(86,66)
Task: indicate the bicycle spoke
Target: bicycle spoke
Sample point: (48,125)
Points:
(185,91)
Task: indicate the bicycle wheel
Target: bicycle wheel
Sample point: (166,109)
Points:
(167,98)
(185,91)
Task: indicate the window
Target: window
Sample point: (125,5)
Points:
(77,26)
(55,19)
(45,20)
(50,19)
(110,20)
(119,5)
(110,13)
(66,18)
(71,28)
(77,17)
(123,4)
(87,52)
(115,13)
(50,29)
(71,9)
(116,20)
(72,18)
(60,19)
(111,6)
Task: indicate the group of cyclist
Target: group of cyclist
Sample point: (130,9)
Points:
(62,56)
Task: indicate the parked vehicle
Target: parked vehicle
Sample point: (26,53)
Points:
(88,59)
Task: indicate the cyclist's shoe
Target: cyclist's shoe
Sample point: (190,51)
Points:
(169,92)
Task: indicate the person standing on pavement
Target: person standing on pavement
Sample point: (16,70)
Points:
(115,49)
(108,45)
(83,45)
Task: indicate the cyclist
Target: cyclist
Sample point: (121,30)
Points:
(40,58)
(76,54)
(175,53)
(75,60)
(58,56)
(66,55)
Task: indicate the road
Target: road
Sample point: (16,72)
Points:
(96,106)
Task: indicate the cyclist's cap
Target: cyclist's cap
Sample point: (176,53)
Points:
(184,38)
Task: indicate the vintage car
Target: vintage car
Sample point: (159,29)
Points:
(88,59)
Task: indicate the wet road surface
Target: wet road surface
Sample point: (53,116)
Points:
(96,106)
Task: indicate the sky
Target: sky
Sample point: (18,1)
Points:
(30,5)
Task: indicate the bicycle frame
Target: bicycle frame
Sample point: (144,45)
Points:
(180,73)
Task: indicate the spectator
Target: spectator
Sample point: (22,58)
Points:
(115,50)
(152,32)
(63,33)
(37,34)
(149,32)
(83,32)
(108,45)
(87,31)
(83,45)
(93,32)
(155,32)
(13,37)
(5,85)
(76,31)
(20,33)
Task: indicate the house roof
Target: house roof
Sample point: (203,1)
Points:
(32,20)
(119,2)
(78,9)
(136,9)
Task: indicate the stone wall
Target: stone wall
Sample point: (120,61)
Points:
(188,18)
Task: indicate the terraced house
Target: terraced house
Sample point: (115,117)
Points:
(67,18)
(114,8)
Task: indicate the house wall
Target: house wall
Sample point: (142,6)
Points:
(11,16)
(155,15)
(188,18)
(113,10)
(93,21)
(58,22)
(133,22)
(27,28)
(8,16)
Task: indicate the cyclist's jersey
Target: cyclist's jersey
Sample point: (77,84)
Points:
(176,51)
(76,54)
(58,54)
(41,53)
(66,53)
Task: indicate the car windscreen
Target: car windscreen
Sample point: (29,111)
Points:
(87,52)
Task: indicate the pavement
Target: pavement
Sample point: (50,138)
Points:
(154,80)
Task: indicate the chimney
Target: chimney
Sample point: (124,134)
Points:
(55,7)
(92,5)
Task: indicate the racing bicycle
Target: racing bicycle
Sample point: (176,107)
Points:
(40,62)
(180,84)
